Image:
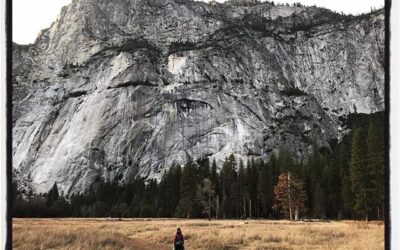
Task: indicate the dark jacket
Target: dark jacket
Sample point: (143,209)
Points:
(179,237)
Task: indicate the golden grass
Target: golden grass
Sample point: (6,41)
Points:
(157,234)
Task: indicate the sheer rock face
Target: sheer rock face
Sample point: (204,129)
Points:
(124,88)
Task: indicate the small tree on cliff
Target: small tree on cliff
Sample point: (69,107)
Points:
(290,195)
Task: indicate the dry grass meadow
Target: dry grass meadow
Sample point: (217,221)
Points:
(157,234)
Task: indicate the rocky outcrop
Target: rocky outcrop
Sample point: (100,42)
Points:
(125,88)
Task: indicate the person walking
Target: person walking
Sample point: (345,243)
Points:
(178,240)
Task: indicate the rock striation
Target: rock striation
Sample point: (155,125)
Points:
(124,88)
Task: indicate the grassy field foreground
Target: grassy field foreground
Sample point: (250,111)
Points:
(157,234)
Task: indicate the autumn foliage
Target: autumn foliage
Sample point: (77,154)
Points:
(290,196)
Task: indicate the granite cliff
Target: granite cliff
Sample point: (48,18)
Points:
(125,88)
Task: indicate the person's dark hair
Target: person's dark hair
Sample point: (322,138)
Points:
(178,230)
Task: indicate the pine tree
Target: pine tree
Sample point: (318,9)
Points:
(290,195)
(242,188)
(313,171)
(52,195)
(273,165)
(265,188)
(188,189)
(252,183)
(206,197)
(318,203)
(215,179)
(359,174)
(330,182)
(285,162)
(214,176)
(376,166)
(169,191)
(204,168)
(228,186)
(346,192)
(149,201)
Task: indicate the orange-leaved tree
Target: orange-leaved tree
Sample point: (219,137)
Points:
(290,196)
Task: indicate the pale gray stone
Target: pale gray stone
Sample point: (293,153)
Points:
(124,88)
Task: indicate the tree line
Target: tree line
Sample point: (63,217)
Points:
(345,182)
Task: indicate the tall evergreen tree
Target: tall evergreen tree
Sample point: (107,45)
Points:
(228,185)
(313,171)
(169,191)
(214,176)
(265,189)
(252,183)
(318,202)
(275,171)
(285,161)
(330,182)
(149,201)
(242,189)
(188,187)
(346,192)
(376,166)
(215,179)
(204,168)
(359,174)
(273,165)
(52,195)
(206,197)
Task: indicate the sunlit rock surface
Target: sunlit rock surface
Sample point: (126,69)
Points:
(125,88)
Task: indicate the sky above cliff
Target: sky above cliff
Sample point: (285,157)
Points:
(30,17)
